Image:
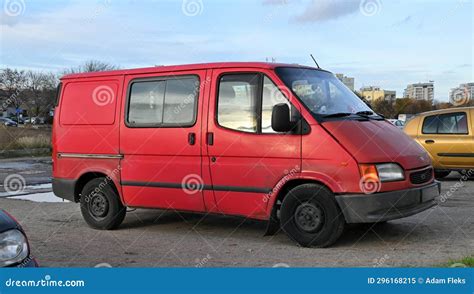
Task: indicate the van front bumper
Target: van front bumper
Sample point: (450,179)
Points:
(378,207)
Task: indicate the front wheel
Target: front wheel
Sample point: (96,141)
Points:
(311,216)
(101,206)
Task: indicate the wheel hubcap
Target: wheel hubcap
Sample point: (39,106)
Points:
(308,217)
(98,205)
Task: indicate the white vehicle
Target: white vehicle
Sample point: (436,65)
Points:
(396,122)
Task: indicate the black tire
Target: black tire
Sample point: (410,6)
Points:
(311,217)
(442,174)
(467,172)
(101,206)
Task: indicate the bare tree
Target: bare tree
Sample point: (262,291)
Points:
(40,90)
(12,83)
(91,66)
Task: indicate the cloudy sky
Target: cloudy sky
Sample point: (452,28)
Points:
(379,42)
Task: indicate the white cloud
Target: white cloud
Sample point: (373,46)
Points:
(324,10)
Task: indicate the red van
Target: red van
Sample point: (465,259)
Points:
(282,143)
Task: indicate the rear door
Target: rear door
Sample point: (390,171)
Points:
(448,138)
(160,139)
(246,157)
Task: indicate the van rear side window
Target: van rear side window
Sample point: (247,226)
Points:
(89,103)
(163,103)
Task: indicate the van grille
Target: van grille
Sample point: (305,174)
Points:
(421,177)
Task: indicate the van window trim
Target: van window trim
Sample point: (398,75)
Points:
(437,125)
(58,94)
(162,125)
(259,106)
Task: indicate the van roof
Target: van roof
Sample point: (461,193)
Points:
(168,68)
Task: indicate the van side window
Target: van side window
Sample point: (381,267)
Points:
(237,102)
(271,96)
(245,103)
(450,123)
(164,102)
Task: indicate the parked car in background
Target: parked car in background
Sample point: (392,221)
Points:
(35,120)
(396,122)
(18,120)
(38,120)
(447,135)
(14,246)
(8,122)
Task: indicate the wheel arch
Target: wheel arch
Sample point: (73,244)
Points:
(87,177)
(289,184)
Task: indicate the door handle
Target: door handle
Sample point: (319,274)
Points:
(210,138)
(192,138)
(429,141)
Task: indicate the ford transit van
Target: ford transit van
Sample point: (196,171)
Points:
(282,143)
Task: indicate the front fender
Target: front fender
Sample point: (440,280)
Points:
(309,176)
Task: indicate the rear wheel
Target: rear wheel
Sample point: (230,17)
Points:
(101,206)
(311,216)
(442,174)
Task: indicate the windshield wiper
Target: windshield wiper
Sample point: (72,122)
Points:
(366,112)
(337,114)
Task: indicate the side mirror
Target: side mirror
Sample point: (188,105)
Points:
(281,118)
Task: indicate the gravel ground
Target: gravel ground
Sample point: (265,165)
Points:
(153,238)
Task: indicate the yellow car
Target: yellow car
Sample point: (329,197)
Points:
(447,135)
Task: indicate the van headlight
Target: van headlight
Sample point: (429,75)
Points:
(390,172)
(13,247)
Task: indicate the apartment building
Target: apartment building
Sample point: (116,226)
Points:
(373,93)
(348,81)
(420,91)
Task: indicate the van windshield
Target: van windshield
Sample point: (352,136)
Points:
(322,93)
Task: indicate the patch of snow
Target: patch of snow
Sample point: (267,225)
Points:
(17,165)
(40,197)
(40,186)
(29,189)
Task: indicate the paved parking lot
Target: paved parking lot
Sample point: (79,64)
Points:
(153,238)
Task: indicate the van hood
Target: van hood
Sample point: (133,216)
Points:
(377,141)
